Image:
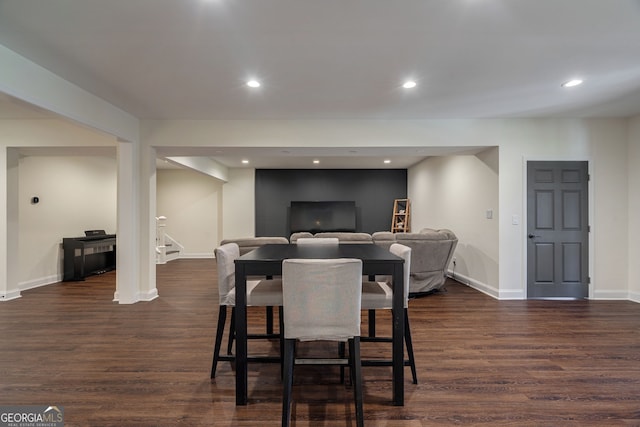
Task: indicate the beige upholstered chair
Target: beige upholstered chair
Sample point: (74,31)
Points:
(259,293)
(322,301)
(247,244)
(379,296)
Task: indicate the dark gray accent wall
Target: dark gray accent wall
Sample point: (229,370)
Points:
(372,190)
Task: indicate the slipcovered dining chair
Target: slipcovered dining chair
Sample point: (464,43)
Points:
(322,301)
(264,293)
(379,296)
(317,241)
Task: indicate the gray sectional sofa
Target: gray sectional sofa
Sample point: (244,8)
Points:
(247,244)
(431,251)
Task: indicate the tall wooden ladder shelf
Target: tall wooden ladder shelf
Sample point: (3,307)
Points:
(401,222)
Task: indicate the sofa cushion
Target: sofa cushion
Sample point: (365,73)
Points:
(347,237)
(300,235)
(424,234)
(383,235)
(384,239)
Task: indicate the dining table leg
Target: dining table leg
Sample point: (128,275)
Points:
(398,335)
(241,335)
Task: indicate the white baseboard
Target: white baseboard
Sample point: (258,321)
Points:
(472,283)
(10,295)
(42,281)
(197,255)
(612,295)
(519,294)
(499,294)
(140,296)
(149,295)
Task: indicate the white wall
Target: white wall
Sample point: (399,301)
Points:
(610,145)
(238,217)
(76,194)
(610,174)
(37,257)
(455,192)
(634,208)
(191,201)
(43,134)
(602,142)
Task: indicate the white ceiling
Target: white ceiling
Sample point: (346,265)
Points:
(337,59)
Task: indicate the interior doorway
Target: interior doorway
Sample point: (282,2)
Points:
(557,229)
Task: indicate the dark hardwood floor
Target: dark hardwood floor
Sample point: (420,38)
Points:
(481,362)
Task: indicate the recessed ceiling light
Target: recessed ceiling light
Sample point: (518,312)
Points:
(387,161)
(253,83)
(409,84)
(315,162)
(245,161)
(572,83)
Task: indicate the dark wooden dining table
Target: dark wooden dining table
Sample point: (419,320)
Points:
(267,261)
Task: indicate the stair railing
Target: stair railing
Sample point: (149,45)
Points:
(161,235)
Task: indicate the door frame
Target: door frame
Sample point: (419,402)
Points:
(525,219)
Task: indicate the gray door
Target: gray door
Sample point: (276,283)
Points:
(557,230)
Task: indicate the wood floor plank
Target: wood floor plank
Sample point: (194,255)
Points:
(481,362)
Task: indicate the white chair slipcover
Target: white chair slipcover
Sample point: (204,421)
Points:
(267,293)
(379,296)
(322,301)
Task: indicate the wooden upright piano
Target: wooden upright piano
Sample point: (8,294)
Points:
(94,253)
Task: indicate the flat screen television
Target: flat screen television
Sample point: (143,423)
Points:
(316,217)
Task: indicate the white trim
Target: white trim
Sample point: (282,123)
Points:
(30,82)
(148,296)
(511,294)
(196,255)
(611,295)
(42,281)
(518,294)
(479,286)
(10,295)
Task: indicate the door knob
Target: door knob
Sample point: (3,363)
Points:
(531,236)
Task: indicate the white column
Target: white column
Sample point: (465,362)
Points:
(147,200)
(135,273)
(9,288)
(127,257)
